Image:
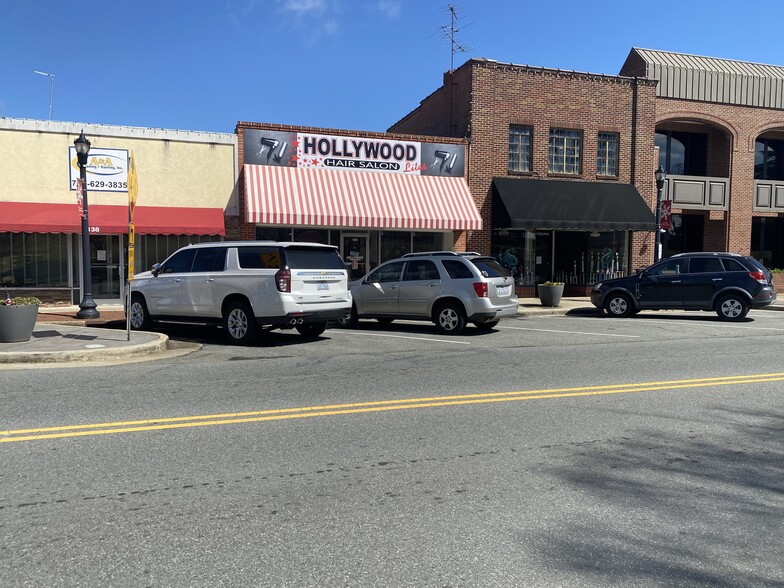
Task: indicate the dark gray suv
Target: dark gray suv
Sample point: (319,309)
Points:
(726,283)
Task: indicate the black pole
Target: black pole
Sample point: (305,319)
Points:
(657,240)
(87,307)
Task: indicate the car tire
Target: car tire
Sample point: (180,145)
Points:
(732,307)
(140,316)
(311,330)
(350,320)
(240,323)
(619,305)
(488,326)
(450,319)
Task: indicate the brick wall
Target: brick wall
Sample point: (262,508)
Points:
(488,96)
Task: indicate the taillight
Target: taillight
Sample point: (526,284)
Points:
(481,289)
(759,276)
(283,280)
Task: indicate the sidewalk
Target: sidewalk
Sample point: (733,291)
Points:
(60,337)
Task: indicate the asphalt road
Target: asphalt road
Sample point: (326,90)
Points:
(554,451)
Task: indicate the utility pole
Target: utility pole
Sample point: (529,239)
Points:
(51,88)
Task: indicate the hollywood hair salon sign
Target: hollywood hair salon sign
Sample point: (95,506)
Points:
(307,150)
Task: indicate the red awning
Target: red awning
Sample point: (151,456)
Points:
(341,198)
(38,217)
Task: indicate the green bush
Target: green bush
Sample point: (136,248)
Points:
(21,301)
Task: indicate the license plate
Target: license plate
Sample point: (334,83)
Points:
(503,290)
(322,286)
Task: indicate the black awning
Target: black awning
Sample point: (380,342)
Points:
(558,204)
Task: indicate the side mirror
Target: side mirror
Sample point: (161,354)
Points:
(155,269)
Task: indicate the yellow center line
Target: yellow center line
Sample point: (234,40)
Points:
(64,431)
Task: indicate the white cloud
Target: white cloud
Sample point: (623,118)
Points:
(389,8)
(303,7)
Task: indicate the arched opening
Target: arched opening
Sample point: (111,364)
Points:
(767,223)
(696,156)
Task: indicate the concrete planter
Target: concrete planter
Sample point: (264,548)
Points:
(17,322)
(550,295)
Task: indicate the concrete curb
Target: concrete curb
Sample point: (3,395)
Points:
(158,345)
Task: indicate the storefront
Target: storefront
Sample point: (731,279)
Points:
(186,181)
(376,196)
(572,232)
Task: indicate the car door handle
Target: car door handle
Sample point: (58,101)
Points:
(717,279)
(676,282)
(210,279)
(432,285)
(177,280)
(394,287)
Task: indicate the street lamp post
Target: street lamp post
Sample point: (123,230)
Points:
(87,307)
(660,175)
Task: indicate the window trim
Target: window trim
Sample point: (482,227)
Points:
(530,162)
(578,152)
(617,136)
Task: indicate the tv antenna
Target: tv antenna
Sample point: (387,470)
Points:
(51,88)
(449,32)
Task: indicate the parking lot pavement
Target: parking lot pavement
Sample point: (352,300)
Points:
(60,336)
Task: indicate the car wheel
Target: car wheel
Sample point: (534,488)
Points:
(486,326)
(385,321)
(450,319)
(240,323)
(140,316)
(311,330)
(350,320)
(619,305)
(732,307)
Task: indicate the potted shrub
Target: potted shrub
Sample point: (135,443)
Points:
(17,318)
(550,293)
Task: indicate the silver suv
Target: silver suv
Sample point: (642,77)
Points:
(447,288)
(246,286)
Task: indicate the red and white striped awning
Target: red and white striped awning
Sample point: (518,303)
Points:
(341,198)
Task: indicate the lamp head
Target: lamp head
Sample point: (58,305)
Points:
(660,175)
(82,148)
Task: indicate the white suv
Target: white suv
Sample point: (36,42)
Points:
(246,286)
(447,288)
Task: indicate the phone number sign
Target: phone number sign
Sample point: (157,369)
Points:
(107,170)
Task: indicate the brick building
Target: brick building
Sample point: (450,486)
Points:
(561,161)
(720,130)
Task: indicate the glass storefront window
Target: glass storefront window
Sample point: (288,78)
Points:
(427,242)
(582,257)
(34,260)
(273,234)
(394,244)
(312,236)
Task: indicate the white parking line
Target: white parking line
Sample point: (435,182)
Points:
(570,332)
(405,337)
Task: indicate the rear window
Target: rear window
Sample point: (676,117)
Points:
(259,257)
(733,265)
(490,268)
(756,264)
(313,258)
(457,270)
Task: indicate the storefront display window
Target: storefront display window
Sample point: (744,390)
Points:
(34,260)
(273,233)
(395,244)
(572,257)
(427,242)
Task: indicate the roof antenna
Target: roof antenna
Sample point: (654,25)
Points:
(449,31)
(51,89)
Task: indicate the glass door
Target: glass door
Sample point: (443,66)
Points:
(107,267)
(354,249)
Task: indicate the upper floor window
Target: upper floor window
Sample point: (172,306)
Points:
(607,155)
(769,159)
(519,148)
(683,153)
(564,153)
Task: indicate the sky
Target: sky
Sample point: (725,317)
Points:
(204,65)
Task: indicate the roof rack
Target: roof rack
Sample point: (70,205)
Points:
(430,253)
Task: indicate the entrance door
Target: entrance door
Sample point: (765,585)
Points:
(354,251)
(106,266)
